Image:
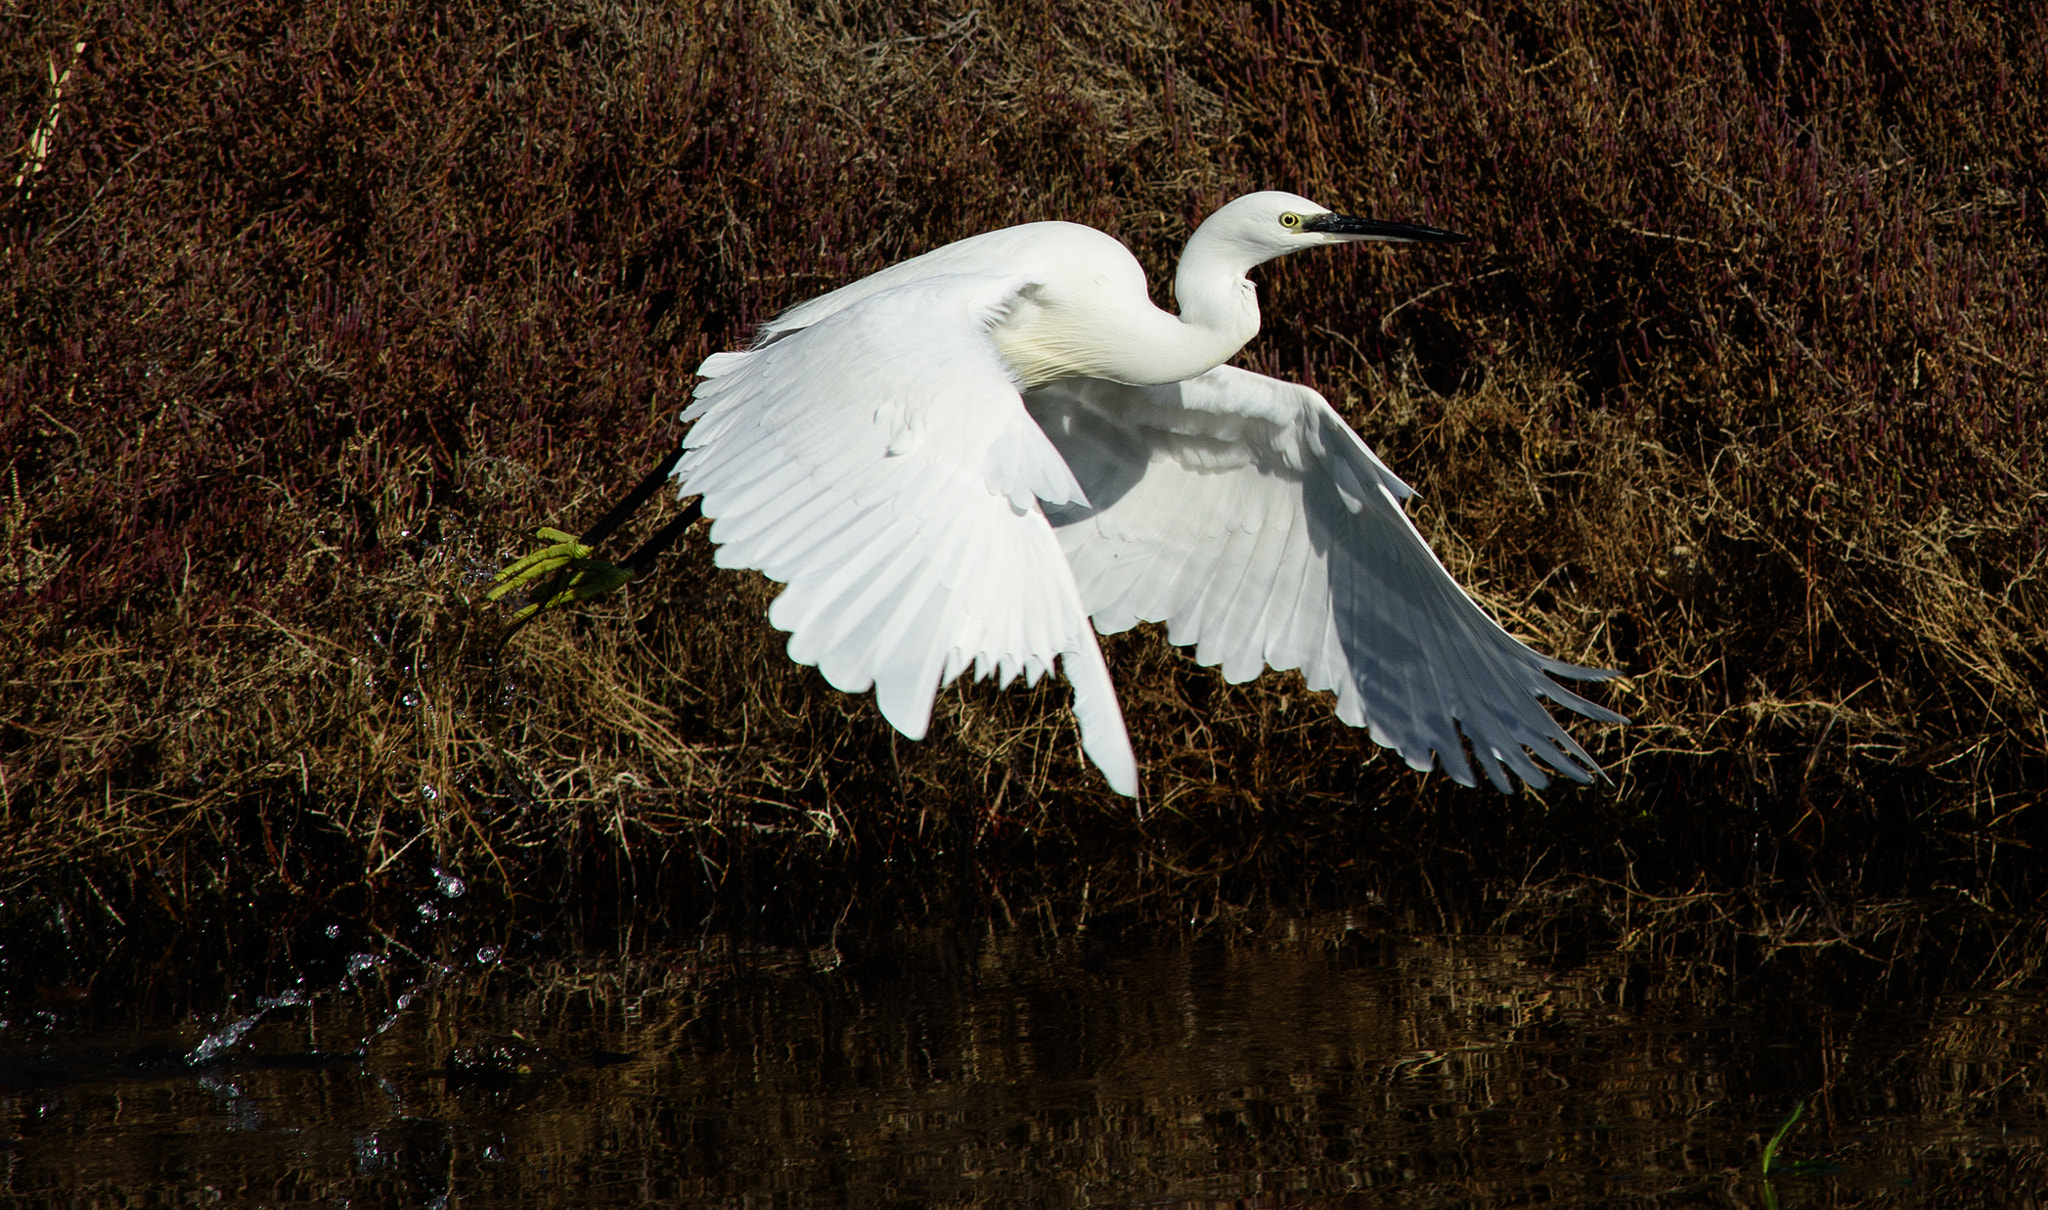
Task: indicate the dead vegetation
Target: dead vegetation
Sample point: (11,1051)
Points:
(311,315)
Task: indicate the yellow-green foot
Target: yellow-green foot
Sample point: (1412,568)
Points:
(562,574)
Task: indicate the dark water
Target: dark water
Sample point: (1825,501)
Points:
(1316,1061)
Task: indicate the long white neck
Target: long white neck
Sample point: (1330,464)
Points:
(1107,333)
(1217,301)
(1219,312)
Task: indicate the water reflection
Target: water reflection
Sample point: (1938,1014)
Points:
(1299,1062)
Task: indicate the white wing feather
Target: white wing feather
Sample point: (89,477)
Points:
(880,462)
(1243,512)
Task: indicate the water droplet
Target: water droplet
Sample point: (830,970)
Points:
(486,955)
(358,963)
(429,912)
(410,699)
(451,886)
(333,932)
(428,792)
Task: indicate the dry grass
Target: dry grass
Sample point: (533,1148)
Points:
(311,315)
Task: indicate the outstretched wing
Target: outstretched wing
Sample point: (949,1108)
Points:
(880,462)
(1243,512)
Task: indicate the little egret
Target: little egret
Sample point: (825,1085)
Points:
(961,460)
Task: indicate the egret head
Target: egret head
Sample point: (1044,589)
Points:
(1261,226)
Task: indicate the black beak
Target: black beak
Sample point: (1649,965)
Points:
(1373,229)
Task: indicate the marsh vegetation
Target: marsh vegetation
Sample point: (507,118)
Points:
(311,314)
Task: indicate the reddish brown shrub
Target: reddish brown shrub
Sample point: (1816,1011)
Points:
(313,313)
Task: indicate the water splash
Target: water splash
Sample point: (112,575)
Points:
(404,1002)
(211,1047)
(204,1053)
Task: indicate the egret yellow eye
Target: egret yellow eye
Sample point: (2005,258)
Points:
(1291,221)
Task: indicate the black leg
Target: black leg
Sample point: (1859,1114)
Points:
(643,556)
(634,499)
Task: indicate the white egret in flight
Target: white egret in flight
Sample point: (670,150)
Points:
(959,462)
